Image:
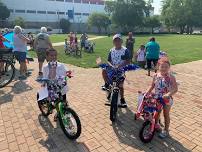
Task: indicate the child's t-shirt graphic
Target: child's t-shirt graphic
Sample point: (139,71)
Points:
(117,57)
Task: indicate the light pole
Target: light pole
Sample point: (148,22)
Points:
(58,16)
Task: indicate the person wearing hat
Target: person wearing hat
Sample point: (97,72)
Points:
(119,56)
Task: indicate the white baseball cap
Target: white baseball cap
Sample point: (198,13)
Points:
(117,36)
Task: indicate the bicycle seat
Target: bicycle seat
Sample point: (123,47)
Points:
(5,51)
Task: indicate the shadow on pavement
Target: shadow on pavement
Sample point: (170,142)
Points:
(18,88)
(56,140)
(127,131)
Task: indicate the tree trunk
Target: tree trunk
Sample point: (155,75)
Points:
(152,30)
(182,28)
(99,30)
(188,30)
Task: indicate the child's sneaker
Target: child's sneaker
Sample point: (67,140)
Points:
(163,134)
(157,127)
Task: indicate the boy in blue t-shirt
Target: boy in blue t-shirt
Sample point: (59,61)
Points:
(119,56)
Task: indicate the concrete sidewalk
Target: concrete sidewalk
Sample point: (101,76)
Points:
(22,128)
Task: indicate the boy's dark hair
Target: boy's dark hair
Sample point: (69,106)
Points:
(50,50)
(152,39)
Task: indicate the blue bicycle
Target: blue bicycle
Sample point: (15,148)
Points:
(115,77)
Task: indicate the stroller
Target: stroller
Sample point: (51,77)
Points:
(89,47)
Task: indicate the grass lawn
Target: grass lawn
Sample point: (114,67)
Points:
(180,48)
(60,37)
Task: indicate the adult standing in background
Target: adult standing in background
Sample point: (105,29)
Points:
(41,44)
(20,51)
(130,41)
(152,54)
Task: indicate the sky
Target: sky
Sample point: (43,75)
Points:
(157,6)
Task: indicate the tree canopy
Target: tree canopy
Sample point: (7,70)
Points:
(65,25)
(99,20)
(4,11)
(127,14)
(19,21)
(184,14)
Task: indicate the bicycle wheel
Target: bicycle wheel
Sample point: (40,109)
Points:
(114,107)
(43,106)
(7,73)
(70,122)
(145,134)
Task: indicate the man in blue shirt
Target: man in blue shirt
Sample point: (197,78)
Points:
(119,56)
(152,54)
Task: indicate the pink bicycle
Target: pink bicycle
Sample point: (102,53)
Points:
(149,107)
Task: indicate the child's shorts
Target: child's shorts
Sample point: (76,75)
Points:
(20,56)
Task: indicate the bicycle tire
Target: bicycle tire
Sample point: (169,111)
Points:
(141,133)
(114,107)
(7,63)
(77,120)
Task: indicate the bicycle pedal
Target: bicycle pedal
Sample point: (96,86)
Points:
(107,104)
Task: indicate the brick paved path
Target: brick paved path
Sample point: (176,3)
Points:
(22,128)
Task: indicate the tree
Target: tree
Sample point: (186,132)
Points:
(99,20)
(19,21)
(4,14)
(184,14)
(109,6)
(152,22)
(65,25)
(128,14)
(4,11)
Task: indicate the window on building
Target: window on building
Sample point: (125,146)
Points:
(77,13)
(11,10)
(93,2)
(101,3)
(41,12)
(61,13)
(60,0)
(20,11)
(69,1)
(51,12)
(77,1)
(31,11)
(85,14)
(85,1)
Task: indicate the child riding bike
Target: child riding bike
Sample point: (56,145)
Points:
(118,57)
(54,70)
(165,86)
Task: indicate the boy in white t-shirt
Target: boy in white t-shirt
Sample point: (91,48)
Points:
(119,56)
(140,56)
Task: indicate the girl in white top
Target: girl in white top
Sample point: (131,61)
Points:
(140,56)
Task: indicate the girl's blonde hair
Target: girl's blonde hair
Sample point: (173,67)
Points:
(164,60)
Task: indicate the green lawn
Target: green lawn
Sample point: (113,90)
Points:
(180,48)
(60,37)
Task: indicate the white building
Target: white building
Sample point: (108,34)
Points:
(51,11)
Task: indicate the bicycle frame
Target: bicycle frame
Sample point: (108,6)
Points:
(150,108)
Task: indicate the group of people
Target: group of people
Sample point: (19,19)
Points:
(147,55)
(41,44)
(164,83)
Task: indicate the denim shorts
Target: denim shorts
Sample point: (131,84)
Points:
(20,56)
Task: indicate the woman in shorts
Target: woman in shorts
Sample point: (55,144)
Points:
(20,49)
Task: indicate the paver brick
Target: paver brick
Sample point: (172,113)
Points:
(23,129)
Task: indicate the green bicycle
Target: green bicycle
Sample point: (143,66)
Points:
(68,118)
